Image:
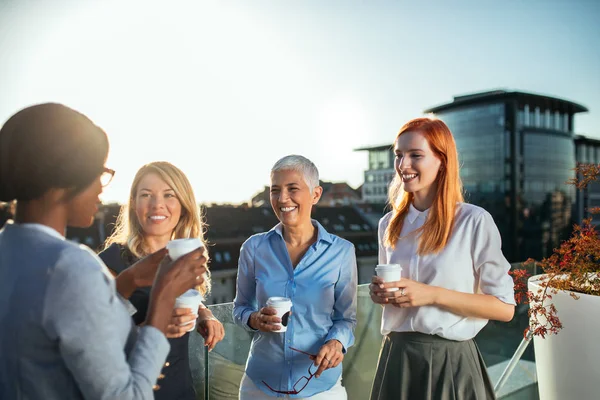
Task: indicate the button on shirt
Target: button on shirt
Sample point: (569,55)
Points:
(322,288)
(471,262)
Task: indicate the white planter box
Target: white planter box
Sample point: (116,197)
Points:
(568,364)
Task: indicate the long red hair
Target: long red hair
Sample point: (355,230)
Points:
(436,231)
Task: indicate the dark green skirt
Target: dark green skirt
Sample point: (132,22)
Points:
(416,366)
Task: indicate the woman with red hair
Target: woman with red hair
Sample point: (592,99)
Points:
(454,276)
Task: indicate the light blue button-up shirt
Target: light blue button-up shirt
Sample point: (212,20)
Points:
(322,288)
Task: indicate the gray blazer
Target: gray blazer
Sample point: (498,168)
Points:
(64,332)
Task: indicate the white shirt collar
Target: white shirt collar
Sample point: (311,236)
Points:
(413,214)
(42,228)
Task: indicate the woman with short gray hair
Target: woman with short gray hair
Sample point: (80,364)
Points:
(296,263)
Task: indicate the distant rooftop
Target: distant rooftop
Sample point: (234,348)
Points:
(501,95)
(587,140)
(374,148)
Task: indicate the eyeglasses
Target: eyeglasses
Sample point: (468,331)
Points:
(106,176)
(303,381)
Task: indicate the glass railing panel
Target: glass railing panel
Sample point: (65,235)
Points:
(360,362)
(226,362)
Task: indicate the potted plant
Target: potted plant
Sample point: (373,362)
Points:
(566,298)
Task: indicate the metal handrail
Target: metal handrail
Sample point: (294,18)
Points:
(513,362)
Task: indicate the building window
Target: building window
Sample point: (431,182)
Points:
(521,118)
(227,256)
(531,118)
(218,257)
(557,121)
(583,154)
(379,159)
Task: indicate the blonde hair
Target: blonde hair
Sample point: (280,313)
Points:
(437,229)
(128,230)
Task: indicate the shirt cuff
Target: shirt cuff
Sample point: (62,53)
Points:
(245,318)
(130,307)
(508,298)
(337,336)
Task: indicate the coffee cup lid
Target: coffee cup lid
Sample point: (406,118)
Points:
(388,266)
(273,300)
(184,241)
(191,293)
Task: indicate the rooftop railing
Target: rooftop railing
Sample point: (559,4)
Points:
(217,374)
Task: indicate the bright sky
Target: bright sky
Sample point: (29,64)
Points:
(225,88)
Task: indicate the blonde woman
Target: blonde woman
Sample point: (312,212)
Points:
(162,207)
(454,276)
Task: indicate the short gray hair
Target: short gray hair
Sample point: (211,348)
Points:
(300,164)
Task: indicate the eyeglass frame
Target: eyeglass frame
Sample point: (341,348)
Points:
(107,171)
(295,391)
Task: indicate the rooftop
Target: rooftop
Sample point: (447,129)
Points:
(374,148)
(502,95)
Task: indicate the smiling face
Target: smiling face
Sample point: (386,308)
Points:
(417,166)
(157,207)
(291,197)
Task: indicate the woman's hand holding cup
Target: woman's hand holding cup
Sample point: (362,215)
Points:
(387,280)
(181,321)
(265,320)
(184,273)
(172,280)
(140,274)
(375,290)
(144,271)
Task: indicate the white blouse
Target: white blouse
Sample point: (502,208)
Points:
(471,262)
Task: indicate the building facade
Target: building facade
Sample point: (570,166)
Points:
(379,175)
(587,151)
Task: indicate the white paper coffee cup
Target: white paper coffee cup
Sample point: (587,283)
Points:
(190,299)
(283,306)
(389,273)
(180,247)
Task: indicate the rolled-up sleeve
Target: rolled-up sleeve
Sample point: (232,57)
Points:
(244,303)
(86,317)
(344,309)
(490,265)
